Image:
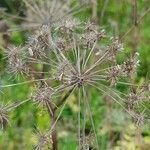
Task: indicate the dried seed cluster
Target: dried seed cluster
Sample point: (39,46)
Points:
(42,141)
(43,95)
(68,54)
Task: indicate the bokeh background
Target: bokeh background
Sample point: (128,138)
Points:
(118,17)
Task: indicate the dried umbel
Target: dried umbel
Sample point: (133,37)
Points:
(12,53)
(38,43)
(73,72)
(114,74)
(91,26)
(45,12)
(115,46)
(86,141)
(16,60)
(92,34)
(67,25)
(131,64)
(42,141)
(18,67)
(5,109)
(71,65)
(138,118)
(43,95)
(137,98)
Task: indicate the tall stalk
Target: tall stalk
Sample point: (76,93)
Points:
(135,43)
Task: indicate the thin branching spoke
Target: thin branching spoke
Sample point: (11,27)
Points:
(91,117)
(113,99)
(61,110)
(89,55)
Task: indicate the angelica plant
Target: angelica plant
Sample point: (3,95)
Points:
(69,57)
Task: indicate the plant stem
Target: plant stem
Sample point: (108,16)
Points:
(135,33)
(64,98)
(52,116)
(54,134)
(135,43)
(94,10)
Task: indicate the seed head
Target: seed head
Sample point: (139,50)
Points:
(115,46)
(13,53)
(42,141)
(91,37)
(138,118)
(38,43)
(135,98)
(18,67)
(130,65)
(43,95)
(113,74)
(16,61)
(86,141)
(67,25)
(46,12)
(91,26)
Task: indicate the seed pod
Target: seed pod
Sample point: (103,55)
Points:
(42,141)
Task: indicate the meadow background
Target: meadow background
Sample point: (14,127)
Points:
(118,17)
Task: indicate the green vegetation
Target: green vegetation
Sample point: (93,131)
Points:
(119,18)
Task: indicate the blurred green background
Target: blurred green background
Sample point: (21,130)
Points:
(116,17)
